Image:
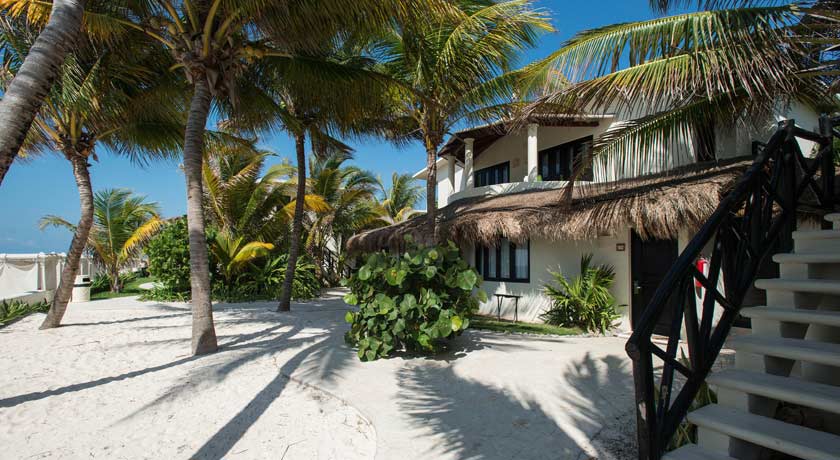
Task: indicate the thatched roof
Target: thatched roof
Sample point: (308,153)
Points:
(656,206)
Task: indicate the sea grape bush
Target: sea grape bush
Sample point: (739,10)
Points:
(412,301)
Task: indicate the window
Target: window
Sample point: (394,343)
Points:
(496,174)
(505,262)
(557,163)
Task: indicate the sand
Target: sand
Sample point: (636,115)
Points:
(117,382)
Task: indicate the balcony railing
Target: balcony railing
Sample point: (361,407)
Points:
(754,219)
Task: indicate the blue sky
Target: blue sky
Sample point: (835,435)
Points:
(45,185)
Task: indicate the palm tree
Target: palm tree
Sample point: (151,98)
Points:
(104,99)
(454,68)
(123,223)
(32,81)
(243,201)
(349,193)
(399,200)
(685,73)
(214,43)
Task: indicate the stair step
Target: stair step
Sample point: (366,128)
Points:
(794,258)
(779,436)
(800,285)
(816,234)
(816,395)
(800,350)
(695,452)
(794,315)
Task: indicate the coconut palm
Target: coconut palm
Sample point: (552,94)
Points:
(681,75)
(399,199)
(243,201)
(349,193)
(23,96)
(105,99)
(337,101)
(214,43)
(454,68)
(122,224)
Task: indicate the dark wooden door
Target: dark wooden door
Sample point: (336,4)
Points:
(651,260)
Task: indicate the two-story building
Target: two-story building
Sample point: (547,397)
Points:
(503,197)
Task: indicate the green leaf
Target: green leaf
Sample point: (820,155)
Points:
(349,317)
(370,355)
(481,296)
(408,302)
(351,299)
(467,280)
(364,273)
(457,323)
(431,271)
(399,326)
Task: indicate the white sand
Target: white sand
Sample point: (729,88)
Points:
(117,382)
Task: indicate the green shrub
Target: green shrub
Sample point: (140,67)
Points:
(264,280)
(411,301)
(101,282)
(169,257)
(11,310)
(585,301)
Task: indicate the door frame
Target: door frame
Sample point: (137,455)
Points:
(636,310)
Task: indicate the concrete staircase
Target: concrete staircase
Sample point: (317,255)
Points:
(782,399)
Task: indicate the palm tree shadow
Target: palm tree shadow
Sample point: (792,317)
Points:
(476,421)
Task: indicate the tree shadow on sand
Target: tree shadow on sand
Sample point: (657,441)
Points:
(477,421)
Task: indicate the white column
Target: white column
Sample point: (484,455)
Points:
(533,161)
(450,161)
(467,179)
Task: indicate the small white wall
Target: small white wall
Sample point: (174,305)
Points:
(35,275)
(563,257)
(444,188)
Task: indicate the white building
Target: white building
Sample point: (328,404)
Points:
(500,194)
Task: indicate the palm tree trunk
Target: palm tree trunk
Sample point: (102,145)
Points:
(77,245)
(26,92)
(203,331)
(431,183)
(297,224)
(115,279)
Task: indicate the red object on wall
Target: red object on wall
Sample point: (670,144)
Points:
(702,265)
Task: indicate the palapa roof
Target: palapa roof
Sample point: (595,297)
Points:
(656,206)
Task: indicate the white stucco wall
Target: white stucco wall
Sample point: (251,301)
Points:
(564,257)
(444,189)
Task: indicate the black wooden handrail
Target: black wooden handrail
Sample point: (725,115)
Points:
(757,217)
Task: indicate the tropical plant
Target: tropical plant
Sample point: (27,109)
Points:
(122,224)
(11,310)
(233,255)
(453,68)
(240,200)
(217,45)
(169,259)
(680,76)
(103,99)
(348,192)
(413,301)
(584,301)
(264,280)
(39,69)
(399,199)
